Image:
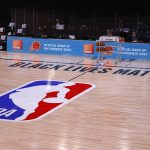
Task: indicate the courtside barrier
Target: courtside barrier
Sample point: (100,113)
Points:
(130,50)
(50,46)
(75,47)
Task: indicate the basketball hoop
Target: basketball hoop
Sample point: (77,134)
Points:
(104,49)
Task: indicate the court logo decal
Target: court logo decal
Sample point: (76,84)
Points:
(37,99)
(83,68)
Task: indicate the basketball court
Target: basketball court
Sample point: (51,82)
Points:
(113,115)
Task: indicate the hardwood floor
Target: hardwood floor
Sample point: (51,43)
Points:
(115,115)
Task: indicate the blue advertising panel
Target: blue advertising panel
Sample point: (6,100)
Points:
(129,50)
(76,47)
(50,46)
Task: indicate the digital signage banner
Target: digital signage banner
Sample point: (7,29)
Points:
(50,46)
(128,50)
(76,47)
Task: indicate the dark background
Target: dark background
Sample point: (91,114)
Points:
(107,14)
(101,6)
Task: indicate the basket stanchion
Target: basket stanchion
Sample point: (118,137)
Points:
(104,49)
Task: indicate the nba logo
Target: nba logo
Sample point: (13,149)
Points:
(36,99)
